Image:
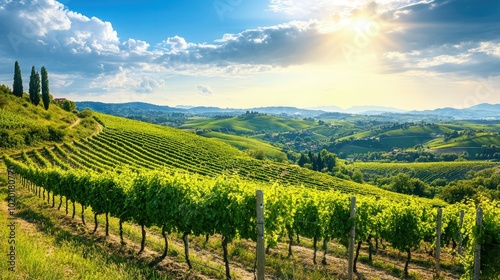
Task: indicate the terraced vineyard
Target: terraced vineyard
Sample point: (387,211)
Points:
(139,145)
(9,120)
(426,171)
(93,172)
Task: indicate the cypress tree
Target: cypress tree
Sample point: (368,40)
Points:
(34,90)
(18,81)
(45,88)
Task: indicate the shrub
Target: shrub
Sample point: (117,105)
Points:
(55,134)
(85,114)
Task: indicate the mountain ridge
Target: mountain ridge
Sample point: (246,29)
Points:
(479,111)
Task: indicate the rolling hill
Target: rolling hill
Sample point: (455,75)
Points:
(249,124)
(24,125)
(119,147)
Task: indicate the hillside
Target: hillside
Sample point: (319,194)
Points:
(248,123)
(153,146)
(142,145)
(161,153)
(425,171)
(250,145)
(24,125)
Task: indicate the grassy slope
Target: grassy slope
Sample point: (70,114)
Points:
(426,171)
(250,123)
(188,142)
(478,140)
(245,143)
(45,251)
(428,135)
(20,109)
(220,157)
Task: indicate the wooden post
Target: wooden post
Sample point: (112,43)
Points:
(477,246)
(438,239)
(352,241)
(261,253)
(460,236)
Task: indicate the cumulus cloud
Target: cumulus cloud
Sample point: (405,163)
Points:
(126,78)
(46,32)
(470,58)
(204,90)
(286,44)
(489,48)
(440,22)
(434,35)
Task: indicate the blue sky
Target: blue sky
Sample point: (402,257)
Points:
(410,54)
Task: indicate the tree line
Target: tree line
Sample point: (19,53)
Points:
(37,84)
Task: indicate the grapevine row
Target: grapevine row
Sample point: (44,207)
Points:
(198,205)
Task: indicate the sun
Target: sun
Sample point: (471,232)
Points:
(362,25)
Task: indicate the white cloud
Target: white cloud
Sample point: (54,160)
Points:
(86,54)
(204,90)
(175,45)
(443,59)
(489,48)
(136,46)
(468,58)
(132,79)
(327,8)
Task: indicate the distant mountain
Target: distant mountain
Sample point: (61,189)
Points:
(293,111)
(360,110)
(124,109)
(209,110)
(328,109)
(486,107)
(184,106)
(373,110)
(131,107)
(480,111)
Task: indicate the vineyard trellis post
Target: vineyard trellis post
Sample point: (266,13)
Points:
(438,239)
(261,254)
(352,239)
(477,245)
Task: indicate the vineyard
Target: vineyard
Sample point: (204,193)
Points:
(160,177)
(425,171)
(138,145)
(9,120)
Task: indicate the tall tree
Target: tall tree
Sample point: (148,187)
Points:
(45,88)
(302,160)
(34,90)
(18,81)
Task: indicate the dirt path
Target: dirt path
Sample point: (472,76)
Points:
(97,130)
(75,123)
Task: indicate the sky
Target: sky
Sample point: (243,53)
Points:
(408,54)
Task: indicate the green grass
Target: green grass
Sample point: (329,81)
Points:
(250,124)
(44,251)
(426,171)
(20,120)
(485,138)
(246,143)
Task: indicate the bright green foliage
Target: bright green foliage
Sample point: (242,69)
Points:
(9,120)
(280,208)
(17,88)
(425,171)
(404,227)
(135,172)
(226,205)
